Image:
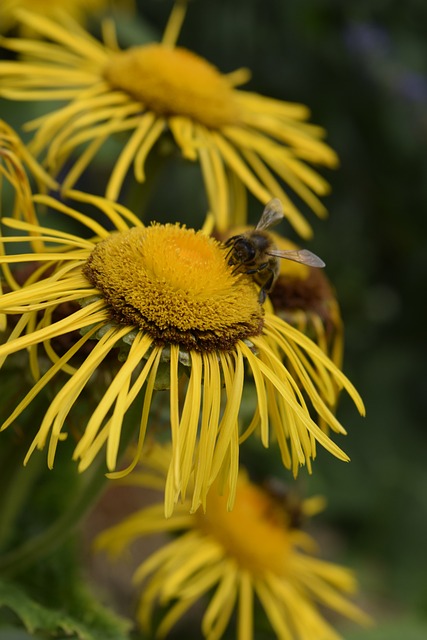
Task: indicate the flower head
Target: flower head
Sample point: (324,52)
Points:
(167,298)
(254,552)
(151,278)
(242,140)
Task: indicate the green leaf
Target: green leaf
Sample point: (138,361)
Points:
(94,623)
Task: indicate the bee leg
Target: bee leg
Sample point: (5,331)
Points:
(237,268)
(261,267)
(267,286)
(230,242)
(229,255)
(229,246)
(262,295)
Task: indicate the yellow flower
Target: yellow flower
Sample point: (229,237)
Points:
(15,187)
(254,552)
(303,296)
(16,162)
(168,298)
(242,140)
(77,9)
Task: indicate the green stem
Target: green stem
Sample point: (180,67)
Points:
(16,480)
(21,481)
(24,556)
(31,551)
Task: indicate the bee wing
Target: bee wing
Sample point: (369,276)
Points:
(304,256)
(272,214)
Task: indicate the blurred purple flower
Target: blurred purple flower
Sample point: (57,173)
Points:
(412,86)
(367,39)
(373,45)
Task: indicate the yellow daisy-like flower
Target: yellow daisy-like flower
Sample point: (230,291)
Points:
(254,552)
(304,297)
(16,162)
(169,298)
(242,140)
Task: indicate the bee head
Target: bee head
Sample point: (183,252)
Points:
(243,251)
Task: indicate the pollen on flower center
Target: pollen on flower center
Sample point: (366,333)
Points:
(254,532)
(175,284)
(173,82)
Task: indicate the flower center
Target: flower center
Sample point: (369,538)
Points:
(254,532)
(175,284)
(311,295)
(174,82)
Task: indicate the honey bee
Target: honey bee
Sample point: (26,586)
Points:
(255,253)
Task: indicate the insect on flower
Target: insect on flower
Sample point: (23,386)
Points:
(254,252)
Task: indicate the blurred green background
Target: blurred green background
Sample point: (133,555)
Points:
(362,69)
